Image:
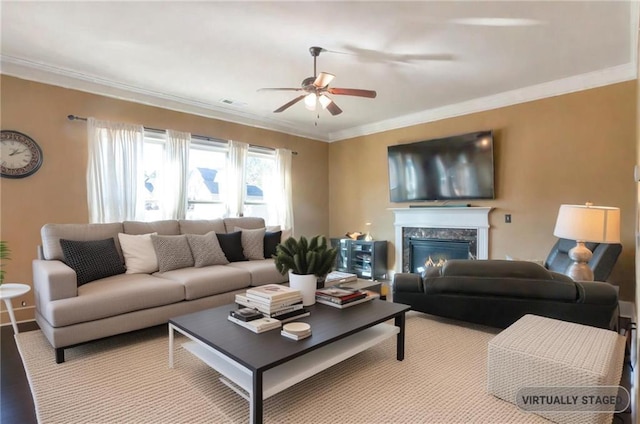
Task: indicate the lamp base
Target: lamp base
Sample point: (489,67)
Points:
(579,270)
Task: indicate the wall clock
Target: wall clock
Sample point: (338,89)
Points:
(20,154)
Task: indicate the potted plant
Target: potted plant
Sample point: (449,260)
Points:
(306,261)
(4,256)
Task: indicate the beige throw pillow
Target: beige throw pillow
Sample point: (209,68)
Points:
(252,242)
(139,254)
(173,252)
(206,250)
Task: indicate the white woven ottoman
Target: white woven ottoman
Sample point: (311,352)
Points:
(542,352)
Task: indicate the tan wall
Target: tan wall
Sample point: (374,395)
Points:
(57,192)
(567,149)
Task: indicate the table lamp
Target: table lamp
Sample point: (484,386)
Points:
(586,223)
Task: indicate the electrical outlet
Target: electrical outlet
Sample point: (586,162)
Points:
(507,218)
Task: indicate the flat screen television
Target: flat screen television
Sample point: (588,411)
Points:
(451,168)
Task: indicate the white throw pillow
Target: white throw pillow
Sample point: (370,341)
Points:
(139,254)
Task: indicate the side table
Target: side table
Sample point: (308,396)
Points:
(7,292)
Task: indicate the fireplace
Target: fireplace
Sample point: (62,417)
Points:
(424,253)
(459,232)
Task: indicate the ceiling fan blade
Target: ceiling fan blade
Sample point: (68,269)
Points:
(353,92)
(323,79)
(279,89)
(288,105)
(334,109)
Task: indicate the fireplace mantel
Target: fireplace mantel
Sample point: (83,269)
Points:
(473,217)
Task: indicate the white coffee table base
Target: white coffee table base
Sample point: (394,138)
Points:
(7,292)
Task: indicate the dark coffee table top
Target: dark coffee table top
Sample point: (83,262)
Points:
(269,349)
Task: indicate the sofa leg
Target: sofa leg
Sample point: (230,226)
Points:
(59,355)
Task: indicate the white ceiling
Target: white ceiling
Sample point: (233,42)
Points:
(424,63)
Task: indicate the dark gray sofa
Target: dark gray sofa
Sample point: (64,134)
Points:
(497,293)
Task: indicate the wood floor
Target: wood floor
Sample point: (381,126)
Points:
(17,407)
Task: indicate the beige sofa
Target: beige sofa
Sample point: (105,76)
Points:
(69,313)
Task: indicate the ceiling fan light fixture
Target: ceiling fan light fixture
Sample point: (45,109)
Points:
(310,101)
(324,101)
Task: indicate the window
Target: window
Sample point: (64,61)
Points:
(206,180)
(152,154)
(259,177)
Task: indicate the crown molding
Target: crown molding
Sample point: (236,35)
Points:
(535,92)
(66,78)
(39,72)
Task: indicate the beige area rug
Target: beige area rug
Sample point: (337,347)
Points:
(126,379)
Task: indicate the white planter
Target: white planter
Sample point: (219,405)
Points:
(307,286)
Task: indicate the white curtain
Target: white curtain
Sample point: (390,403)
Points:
(283,201)
(114,176)
(174,175)
(237,189)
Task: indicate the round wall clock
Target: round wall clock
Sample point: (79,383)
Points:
(20,154)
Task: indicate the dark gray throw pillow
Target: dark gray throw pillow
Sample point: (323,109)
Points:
(271,240)
(92,260)
(231,244)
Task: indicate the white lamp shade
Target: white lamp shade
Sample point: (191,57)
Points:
(596,224)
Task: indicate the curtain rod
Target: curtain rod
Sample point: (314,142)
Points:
(80,118)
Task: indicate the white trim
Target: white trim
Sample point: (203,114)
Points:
(474,217)
(535,92)
(66,78)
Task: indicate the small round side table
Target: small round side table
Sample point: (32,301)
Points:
(7,292)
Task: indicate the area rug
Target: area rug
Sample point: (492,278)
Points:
(126,379)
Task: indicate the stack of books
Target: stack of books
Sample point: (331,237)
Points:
(341,297)
(274,301)
(296,330)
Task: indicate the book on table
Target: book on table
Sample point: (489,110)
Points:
(338,277)
(273,293)
(246,314)
(258,325)
(269,308)
(340,295)
(370,295)
(295,336)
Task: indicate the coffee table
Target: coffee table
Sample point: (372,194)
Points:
(258,366)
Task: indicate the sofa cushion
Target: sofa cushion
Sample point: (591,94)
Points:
(252,242)
(167,227)
(248,222)
(262,271)
(271,241)
(201,226)
(139,254)
(173,252)
(208,281)
(206,250)
(112,296)
(494,269)
(231,244)
(503,287)
(52,233)
(93,259)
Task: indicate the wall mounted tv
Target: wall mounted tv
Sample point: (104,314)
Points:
(450,168)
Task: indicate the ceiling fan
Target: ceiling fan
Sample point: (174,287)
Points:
(315,90)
